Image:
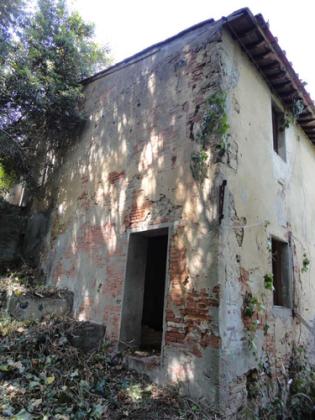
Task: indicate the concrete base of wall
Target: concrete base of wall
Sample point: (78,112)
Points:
(147,365)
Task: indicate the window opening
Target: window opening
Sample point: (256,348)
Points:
(281,273)
(278,132)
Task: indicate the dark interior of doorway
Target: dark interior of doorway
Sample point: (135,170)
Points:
(154,289)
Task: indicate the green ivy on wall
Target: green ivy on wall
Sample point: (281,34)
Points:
(214,125)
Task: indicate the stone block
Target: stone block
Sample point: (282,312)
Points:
(34,308)
(87,336)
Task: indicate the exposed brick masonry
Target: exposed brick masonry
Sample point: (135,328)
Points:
(189,315)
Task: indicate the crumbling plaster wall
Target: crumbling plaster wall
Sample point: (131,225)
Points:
(264,196)
(130,170)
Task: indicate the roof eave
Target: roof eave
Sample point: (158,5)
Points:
(262,48)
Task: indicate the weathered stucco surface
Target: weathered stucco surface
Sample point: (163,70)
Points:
(264,196)
(130,172)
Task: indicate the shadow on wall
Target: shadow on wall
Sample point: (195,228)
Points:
(129,170)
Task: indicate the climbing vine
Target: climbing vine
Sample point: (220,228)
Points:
(290,116)
(199,165)
(297,108)
(306,262)
(268,281)
(214,121)
(299,388)
(253,311)
(214,126)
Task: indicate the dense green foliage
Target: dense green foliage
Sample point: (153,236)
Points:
(7,178)
(214,130)
(11,15)
(45,53)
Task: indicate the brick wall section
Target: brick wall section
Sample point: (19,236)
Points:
(139,210)
(131,171)
(189,311)
(114,176)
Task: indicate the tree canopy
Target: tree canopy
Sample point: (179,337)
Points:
(45,53)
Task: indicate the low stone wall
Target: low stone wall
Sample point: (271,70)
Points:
(33,307)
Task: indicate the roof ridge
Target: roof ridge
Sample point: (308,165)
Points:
(147,51)
(262,48)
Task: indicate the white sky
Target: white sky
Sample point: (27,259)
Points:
(129,26)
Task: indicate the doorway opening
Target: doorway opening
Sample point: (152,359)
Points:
(143,304)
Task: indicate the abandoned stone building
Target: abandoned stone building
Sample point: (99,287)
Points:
(183,217)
